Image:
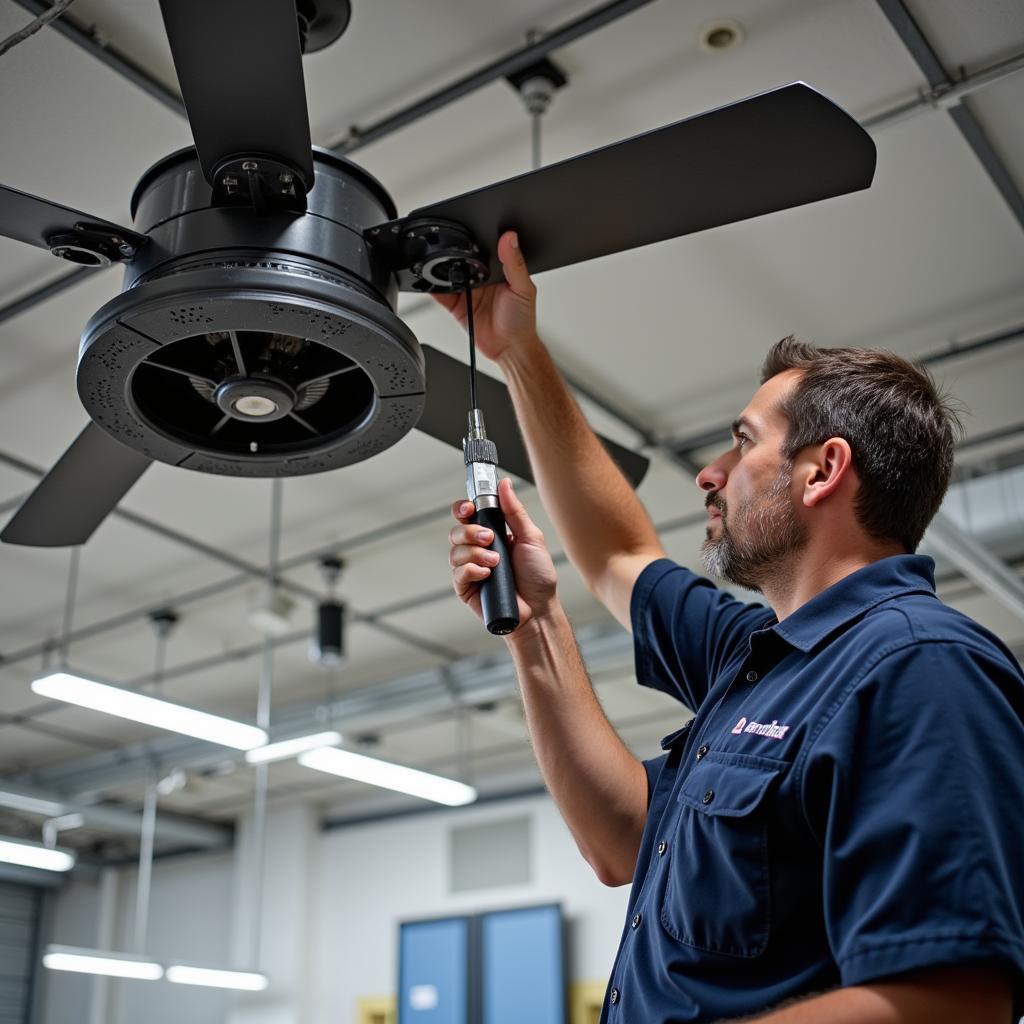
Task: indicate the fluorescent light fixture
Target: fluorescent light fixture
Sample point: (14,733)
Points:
(388,775)
(137,707)
(293,747)
(95,961)
(35,855)
(246,981)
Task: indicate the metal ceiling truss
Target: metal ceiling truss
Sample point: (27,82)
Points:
(940,82)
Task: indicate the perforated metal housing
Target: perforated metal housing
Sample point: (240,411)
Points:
(254,344)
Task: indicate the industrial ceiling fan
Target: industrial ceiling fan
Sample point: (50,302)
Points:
(255,334)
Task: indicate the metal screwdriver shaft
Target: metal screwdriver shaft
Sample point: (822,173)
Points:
(498,590)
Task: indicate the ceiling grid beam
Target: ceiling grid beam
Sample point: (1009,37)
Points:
(970,128)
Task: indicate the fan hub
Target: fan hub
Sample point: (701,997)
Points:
(255,399)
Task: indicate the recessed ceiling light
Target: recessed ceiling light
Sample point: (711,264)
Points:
(721,35)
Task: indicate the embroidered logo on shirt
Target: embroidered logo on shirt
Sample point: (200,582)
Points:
(774,731)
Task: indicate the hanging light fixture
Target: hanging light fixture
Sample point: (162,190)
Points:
(328,645)
(215,977)
(35,855)
(374,772)
(96,961)
(109,963)
(73,688)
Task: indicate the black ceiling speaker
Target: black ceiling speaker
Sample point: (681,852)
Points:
(256,332)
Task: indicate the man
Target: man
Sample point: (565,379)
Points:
(838,833)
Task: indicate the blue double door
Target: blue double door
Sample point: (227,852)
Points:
(503,967)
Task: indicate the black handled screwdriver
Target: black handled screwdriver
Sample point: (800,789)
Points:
(498,590)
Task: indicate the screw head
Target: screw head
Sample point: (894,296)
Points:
(286,179)
(250,165)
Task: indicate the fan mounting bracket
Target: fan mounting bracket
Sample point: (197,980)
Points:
(93,245)
(423,251)
(260,182)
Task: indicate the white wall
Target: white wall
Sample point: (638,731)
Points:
(374,876)
(330,919)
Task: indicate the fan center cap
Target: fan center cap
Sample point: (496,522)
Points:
(255,399)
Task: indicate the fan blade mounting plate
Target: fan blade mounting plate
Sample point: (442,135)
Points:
(445,413)
(51,226)
(239,65)
(773,151)
(78,493)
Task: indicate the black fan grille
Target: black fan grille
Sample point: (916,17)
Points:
(174,390)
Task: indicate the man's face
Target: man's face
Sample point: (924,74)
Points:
(754,529)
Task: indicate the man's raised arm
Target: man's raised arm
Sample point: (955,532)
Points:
(606,531)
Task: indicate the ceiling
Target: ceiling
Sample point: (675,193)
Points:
(673,334)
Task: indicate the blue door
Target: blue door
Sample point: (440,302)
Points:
(433,972)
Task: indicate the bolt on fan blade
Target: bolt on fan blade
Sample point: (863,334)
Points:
(239,65)
(770,152)
(444,417)
(78,493)
(39,222)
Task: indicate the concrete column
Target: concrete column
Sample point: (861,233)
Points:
(285,939)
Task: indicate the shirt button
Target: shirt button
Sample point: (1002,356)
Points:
(662,847)
(613,996)
(708,796)
(700,753)
(637,918)
(752,676)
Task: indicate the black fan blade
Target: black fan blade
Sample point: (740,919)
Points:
(239,65)
(773,151)
(40,222)
(81,490)
(444,417)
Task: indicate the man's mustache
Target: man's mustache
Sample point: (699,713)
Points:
(714,500)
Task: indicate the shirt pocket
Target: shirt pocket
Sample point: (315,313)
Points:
(717,887)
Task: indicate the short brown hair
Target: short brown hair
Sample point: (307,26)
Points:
(901,429)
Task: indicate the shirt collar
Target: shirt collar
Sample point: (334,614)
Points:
(853,595)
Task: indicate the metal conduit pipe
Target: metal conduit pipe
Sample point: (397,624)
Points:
(947,94)
(91,40)
(507,65)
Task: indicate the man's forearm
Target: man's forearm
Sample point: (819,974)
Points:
(952,995)
(595,510)
(599,786)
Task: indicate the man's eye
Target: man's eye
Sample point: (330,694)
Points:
(741,440)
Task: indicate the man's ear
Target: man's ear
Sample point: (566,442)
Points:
(824,469)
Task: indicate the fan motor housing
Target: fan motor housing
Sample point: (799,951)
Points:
(254,342)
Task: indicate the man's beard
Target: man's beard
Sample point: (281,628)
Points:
(773,535)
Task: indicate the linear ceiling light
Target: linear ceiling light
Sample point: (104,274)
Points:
(94,961)
(292,748)
(35,855)
(137,707)
(246,981)
(389,776)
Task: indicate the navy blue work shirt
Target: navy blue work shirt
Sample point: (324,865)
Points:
(846,805)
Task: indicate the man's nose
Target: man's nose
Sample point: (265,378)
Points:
(712,477)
